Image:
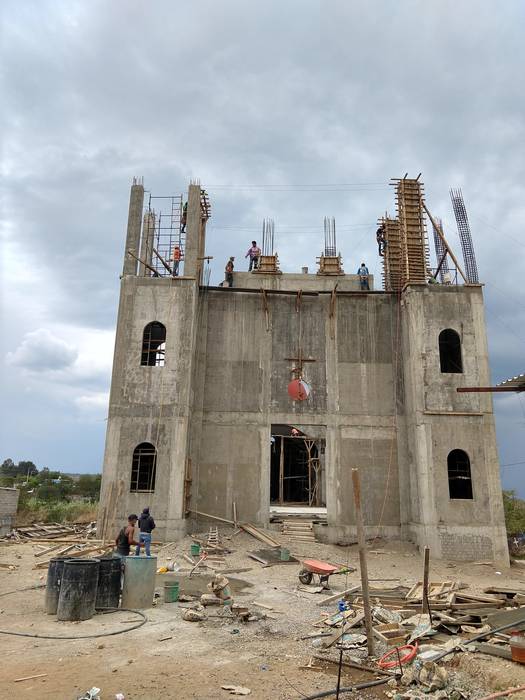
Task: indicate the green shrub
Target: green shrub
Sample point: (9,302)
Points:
(514,513)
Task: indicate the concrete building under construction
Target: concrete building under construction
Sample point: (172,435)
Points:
(203,417)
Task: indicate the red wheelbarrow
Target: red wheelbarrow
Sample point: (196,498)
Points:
(322,569)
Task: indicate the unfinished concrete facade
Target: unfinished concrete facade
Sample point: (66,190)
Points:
(200,417)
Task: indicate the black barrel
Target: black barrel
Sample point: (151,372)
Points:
(78,590)
(108,591)
(54,578)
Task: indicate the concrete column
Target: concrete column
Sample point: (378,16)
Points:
(194,239)
(136,202)
(146,247)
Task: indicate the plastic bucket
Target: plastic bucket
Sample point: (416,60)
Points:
(171,591)
(517,646)
(108,590)
(285,554)
(78,589)
(54,578)
(195,550)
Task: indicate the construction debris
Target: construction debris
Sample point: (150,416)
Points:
(45,531)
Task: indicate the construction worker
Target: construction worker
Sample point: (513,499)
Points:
(381,241)
(147,525)
(177,256)
(363,277)
(254,253)
(184,217)
(229,271)
(125,538)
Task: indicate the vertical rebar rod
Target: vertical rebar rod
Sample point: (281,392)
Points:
(465,236)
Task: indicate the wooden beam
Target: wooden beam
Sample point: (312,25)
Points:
(213,517)
(488,389)
(155,273)
(444,240)
(159,256)
(362,561)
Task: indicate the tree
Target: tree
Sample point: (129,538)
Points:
(514,513)
(8,468)
(27,468)
(23,468)
(88,485)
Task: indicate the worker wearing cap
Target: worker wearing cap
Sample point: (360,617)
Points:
(229,271)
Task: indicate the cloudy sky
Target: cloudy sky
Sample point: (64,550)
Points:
(294,110)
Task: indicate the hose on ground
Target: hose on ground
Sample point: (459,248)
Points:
(86,636)
(359,686)
(81,636)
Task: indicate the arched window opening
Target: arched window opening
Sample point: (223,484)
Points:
(153,345)
(143,468)
(459,479)
(450,351)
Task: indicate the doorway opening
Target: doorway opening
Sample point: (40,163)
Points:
(296,467)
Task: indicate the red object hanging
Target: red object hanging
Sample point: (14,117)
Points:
(299,390)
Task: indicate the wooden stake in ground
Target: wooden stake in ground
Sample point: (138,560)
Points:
(424,607)
(361,541)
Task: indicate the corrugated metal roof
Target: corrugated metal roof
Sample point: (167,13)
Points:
(517,382)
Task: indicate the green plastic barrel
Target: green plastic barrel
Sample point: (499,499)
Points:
(171,591)
(195,550)
(285,554)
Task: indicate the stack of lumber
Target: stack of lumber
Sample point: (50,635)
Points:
(51,531)
(298,530)
(260,535)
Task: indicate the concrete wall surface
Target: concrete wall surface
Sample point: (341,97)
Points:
(8,508)
(379,400)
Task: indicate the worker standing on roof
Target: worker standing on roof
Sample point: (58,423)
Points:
(254,252)
(183,218)
(363,277)
(177,255)
(229,271)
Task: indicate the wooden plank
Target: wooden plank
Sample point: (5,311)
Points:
(264,562)
(213,517)
(338,596)
(29,678)
(48,550)
(504,617)
(493,650)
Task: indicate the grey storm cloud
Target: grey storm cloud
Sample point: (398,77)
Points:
(41,351)
(294,110)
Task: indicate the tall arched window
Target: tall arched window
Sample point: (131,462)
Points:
(153,345)
(459,479)
(450,351)
(143,467)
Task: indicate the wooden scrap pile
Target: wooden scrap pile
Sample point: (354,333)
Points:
(73,549)
(53,531)
(453,610)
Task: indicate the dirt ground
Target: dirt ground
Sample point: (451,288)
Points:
(266,656)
